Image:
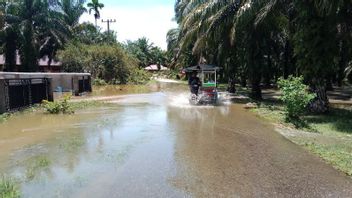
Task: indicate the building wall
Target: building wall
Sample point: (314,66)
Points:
(59,82)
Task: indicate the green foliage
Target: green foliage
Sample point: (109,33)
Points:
(315,43)
(60,106)
(73,58)
(8,188)
(37,28)
(73,10)
(107,62)
(95,6)
(330,136)
(89,34)
(260,41)
(4,117)
(99,82)
(295,96)
(338,155)
(145,52)
(35,165)
(139,76)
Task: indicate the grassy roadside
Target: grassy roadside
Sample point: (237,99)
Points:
(8,188)
(5,116)
(328,136)
(74,105)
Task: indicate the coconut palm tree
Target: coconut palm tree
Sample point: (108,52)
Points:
(95,6)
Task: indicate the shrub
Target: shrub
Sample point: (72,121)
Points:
(56,107)
(110,63)
(295,96)
(99,82)
(8,188)
(138,76)
(74,58)
(4,117)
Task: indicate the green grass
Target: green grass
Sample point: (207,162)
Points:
(86,104)
(35,165)
(333,140)
(73,144)
(8,188)
(38,108)
(4,117)
(339,156)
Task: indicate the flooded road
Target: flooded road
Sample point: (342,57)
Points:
(156,145)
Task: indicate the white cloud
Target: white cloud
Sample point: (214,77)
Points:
(133,23)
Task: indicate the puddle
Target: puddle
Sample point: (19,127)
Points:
(154,144)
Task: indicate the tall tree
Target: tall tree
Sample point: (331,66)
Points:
(95,6)
(145,51)
(316,35)
(33,28)
(72,11)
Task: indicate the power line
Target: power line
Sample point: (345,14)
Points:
(108,23)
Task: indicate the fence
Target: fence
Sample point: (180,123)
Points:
(84,84)
(19,93)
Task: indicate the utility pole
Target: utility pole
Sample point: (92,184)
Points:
(108,23)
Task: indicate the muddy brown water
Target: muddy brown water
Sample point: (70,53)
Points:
(156,145)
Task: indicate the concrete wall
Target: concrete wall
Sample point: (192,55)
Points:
(66,82)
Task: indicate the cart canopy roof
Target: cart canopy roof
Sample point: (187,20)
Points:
(202,67)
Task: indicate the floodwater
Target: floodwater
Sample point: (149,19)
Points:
(152,143)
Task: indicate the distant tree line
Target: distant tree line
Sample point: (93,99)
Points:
(146,52)
(258,41)
(33,29)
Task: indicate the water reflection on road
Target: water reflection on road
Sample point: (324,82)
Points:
(156,145)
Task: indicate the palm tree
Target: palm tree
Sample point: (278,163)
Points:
(31,15)
(53,34)
(34,30)
(215,29)
(95,6)
(59,26)
(72,11)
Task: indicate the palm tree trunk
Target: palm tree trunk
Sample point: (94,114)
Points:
(286,60)
(232,85)
(321,102)
(243,81)
(256,93)
(342,63)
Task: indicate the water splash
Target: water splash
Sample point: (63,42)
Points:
(182,101)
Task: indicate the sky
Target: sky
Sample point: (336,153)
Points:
(137,18)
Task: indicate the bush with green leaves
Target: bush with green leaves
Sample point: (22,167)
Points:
(8,188)
(60,106)
(139,76)
(295,96)
(110,63)
(99,82)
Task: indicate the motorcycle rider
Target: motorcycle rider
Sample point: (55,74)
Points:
(194,83)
